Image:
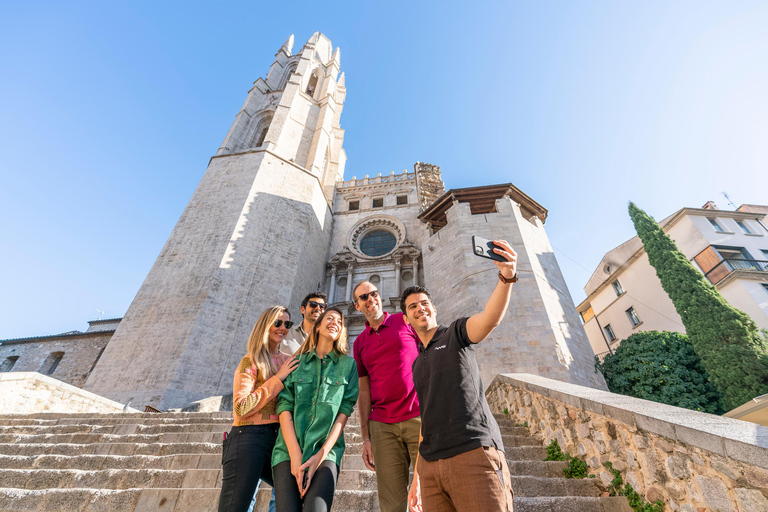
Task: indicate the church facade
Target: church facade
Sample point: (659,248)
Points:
(273,219)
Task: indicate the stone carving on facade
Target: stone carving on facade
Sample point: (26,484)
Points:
(429,183)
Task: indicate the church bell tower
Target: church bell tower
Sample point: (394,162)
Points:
(255,233)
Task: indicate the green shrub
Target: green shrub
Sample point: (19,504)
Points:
(577,468)
(731,349)
(554,452)
(618,488)
(663,367)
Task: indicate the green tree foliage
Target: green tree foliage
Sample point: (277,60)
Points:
(732,351)
(663,367)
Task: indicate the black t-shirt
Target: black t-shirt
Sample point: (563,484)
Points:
(455,417)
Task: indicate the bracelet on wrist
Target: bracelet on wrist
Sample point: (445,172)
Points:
(507,280)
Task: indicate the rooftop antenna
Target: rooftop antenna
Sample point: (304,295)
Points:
(729,200)
(101,314)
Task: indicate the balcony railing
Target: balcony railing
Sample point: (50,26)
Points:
(725,267)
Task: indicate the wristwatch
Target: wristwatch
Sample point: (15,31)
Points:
(505,280)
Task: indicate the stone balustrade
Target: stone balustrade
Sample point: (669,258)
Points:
(693,461)
(391,177)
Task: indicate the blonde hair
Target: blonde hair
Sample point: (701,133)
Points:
(339,344)
(258,342)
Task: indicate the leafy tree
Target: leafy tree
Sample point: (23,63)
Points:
(732,351)
(663,367)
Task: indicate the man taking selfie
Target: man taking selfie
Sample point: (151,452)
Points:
(461,464)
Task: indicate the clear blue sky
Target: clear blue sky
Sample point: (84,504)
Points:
(110,111)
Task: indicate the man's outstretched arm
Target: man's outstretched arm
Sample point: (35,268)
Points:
(479,326)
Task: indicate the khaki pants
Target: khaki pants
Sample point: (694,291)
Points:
(395,447)
(474,481)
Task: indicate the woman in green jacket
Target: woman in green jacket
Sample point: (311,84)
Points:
(313,408)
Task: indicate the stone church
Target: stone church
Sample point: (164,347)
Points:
(273,219)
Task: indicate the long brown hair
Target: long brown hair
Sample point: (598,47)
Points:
(339,344)
(258,342)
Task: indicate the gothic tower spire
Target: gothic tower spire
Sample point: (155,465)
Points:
(255,233)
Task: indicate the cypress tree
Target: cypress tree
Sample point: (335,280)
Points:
(727,340)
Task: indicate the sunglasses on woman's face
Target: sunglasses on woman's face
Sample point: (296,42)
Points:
(314,304)
(364,296)
(288,324)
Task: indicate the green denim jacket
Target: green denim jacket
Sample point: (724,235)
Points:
(315,393)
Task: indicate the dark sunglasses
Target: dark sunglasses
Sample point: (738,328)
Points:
(288,324)
(364,296)
(314,304)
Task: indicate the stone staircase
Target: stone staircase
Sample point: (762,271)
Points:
(172,462)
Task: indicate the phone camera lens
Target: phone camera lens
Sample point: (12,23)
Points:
(478,250)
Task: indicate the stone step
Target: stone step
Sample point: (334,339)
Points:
(86,438)
(122,429)
(110,478)
(96,462)
(515,453)
(514,441)
(205,500)
(572,504)
(109,449)
(549,469)
(116,416)
(535,486)
(103,500)
(358,479)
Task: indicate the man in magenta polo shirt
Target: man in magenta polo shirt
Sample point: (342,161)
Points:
(388,407)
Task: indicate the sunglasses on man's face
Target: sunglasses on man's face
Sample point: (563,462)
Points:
(314,304)
(364,296)
(288,324)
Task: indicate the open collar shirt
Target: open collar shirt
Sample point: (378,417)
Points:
(315,393)
(386,355)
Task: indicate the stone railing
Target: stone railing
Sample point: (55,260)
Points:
(392,177)
(692,461)
(32,392)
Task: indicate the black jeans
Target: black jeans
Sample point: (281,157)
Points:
(246,457)
(319,497)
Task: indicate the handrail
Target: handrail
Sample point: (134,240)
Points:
(741,264)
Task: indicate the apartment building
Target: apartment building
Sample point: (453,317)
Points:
(730,248)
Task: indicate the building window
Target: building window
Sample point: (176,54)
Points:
(312,85)
(732,253)
(765,287)
(378,202)
(51,362)
(354,205)
(617,287)
(8,363)
(609,332)
(378,243)
(633,318)
(715,225)
(402,200)
(743,227)
(765,253)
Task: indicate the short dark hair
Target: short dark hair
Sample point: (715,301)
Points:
(314,295)
(411,290)
(354,290)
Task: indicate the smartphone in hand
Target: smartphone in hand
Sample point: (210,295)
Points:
(484,248)
(305,480)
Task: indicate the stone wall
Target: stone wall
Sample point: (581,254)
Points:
(693,461)
(31,392)
(238,248)
(540,332)
(80,353)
